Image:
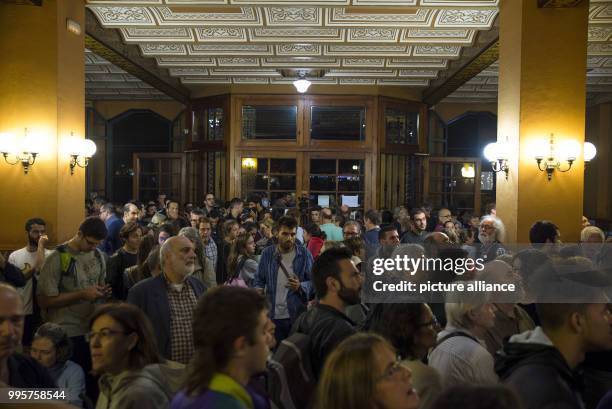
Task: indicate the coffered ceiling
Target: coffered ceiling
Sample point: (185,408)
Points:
(483,87)
(370,42)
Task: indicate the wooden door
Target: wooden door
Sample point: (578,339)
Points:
(452,182)
(159,172)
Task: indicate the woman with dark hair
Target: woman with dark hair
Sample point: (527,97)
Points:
(127,256)
(241,264)
(314,238)
(411,328)
(164,232)
(141,270)
(363,373)
(125,355)
(52,349)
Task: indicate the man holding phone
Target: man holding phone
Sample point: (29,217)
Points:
(29,260)
(283,274)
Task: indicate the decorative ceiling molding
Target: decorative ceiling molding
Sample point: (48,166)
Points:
(461,71)
(108,45)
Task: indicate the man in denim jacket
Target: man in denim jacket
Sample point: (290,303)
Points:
(286,286)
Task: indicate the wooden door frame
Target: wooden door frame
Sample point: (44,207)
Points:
(161,155)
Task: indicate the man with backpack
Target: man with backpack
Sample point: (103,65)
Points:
(298,360)
(72,279)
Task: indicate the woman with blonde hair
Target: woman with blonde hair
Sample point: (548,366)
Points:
(363,372)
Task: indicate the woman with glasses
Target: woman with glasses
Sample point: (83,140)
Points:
(125,355)
(412,329)
(363,372)
(52,349)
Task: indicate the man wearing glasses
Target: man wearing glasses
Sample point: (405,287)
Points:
(209,203)
(351,230)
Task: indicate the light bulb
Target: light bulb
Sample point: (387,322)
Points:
(31,142)
(88,148)
(589,151)
(569,150)
(540,148)
(501,150)
(7,143)
(490,152)
(301,85)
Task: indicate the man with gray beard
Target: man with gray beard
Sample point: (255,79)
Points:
(490,234)
(170,299)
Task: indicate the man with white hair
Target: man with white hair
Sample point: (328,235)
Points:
(490,234)
(170,299)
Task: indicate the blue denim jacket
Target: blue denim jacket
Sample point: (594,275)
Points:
(267,273)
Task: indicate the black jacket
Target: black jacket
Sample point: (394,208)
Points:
(25,372)
(539,374)
(327,327)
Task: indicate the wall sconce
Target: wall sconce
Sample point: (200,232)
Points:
(590,151)
(81,150)
(467,171)
(249,163)
(497,154)
(14,153)
(569,151)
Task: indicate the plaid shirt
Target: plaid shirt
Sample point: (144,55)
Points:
(182,303)
(210,251)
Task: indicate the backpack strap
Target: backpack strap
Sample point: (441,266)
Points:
(456,334)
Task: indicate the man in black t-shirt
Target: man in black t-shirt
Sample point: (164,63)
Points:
(17,370)
(337,283)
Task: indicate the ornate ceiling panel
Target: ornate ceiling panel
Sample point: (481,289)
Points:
(368,42)
(483,87)
(104,80)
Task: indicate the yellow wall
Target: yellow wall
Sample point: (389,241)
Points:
(41,88)
(542,90)
(110,109)
(413,94)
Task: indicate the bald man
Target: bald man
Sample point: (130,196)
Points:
(17,370)
(170,298)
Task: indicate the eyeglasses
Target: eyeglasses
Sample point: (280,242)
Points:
(433,323)
(104,334)
(393,371)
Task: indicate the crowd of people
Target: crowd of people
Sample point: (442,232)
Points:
(238,305)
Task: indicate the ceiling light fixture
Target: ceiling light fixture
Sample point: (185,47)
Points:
(301,84)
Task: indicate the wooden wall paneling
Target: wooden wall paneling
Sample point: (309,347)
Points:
(401,170)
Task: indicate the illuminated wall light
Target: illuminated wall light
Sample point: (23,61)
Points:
(497,154)
(548,162)
(249,163)
(22,151)
(81,151)
(468,171)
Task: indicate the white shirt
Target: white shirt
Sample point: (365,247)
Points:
(24,259)
(280,309)
(461,360)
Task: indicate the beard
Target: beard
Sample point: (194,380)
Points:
(349,295)
(486,238)
(33,242)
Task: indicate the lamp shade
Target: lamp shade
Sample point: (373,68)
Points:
(589,151)
(31,142)
(7,143)
(467,171)
(540,148)
(301,85)
(88,148)
(569,150)
(490,152)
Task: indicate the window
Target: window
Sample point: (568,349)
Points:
(269,122)
(337,123)
(269,177)
(401,126)
(208,124)
(334,182)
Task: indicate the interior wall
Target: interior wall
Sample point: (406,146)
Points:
(451,110)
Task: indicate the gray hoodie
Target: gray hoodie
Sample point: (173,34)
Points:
(149,388)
